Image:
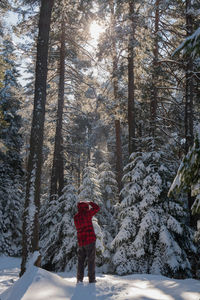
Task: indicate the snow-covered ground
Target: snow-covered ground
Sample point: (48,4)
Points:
(38,284)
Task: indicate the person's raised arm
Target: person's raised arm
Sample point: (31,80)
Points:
(95,208)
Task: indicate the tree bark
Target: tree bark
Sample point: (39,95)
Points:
(131,85)
(189,94)
(114,55)
(57,174)
(119,167)
(154,99)
(31,238)
(189,85)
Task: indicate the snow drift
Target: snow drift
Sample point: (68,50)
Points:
(39,284)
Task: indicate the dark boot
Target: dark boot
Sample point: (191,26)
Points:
(92,281)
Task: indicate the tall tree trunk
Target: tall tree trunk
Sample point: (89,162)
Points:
(154,99)
(32,200)
(114,55)
(61,169)
(119,165)
(189,89)
(57,174)
(131,85)
(79,172)
(189,93)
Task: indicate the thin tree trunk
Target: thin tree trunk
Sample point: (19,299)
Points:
(61,169)
(57,175)
(189,89)
(79,172)
(32,200)
(114,55)
(154,99)
(189,93)
(131,85)
(119,167)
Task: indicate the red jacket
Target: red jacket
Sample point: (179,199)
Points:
(83,223)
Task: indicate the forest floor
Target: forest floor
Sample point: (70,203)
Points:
(38,284)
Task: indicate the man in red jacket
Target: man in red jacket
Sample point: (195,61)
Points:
(86,239)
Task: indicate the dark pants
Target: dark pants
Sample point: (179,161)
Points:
(88,251)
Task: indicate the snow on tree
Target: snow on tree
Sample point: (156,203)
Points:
(108,186)
(59,241)
(152,237)
(11,214)
(11,173)
(9,105)
(49,220)
(188,175)
(90,191)
(30,211)
(191,45)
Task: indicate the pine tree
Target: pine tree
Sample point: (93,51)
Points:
(11,225)
(187,177)
(4,7)
(59,241)
(153,237)
(90,191)
(108,186)
(190,46)
(10,104)
(11,173)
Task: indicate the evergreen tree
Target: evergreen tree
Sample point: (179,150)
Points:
(188,177)
(108,185)
(59,241)
(90,191)
(190,46)
(11,213)
(10,105)
(153,237)
(10,159)
(4,8)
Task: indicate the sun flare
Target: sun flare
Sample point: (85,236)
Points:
(95,30)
